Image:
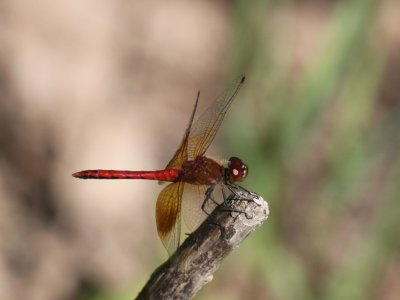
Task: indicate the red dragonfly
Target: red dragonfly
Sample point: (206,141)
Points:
(193,175)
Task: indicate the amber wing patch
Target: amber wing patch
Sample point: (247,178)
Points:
(168,215)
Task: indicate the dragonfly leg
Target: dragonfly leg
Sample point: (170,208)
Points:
(209,197)
(230,193)
(240,193)
(237,193)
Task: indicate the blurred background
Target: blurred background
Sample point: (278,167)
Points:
(111,84)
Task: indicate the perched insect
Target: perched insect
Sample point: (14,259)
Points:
(193,175)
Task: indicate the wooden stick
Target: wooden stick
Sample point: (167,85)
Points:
(193,264)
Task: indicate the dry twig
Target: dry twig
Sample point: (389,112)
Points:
(193,264)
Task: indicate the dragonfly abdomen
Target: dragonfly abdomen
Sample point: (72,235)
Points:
(163,175)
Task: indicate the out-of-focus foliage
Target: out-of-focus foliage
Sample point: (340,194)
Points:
(323,143)
(89,85)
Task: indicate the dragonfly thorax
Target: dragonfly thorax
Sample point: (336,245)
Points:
(236,170)
(202,170)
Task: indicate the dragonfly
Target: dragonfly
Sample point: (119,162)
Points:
(192,174)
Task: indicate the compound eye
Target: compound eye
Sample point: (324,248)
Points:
(237,170)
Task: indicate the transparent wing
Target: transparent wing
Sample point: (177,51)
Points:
(206,126)
(192,200)
(181,153)
(168,215)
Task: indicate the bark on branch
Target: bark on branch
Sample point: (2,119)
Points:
(193,264)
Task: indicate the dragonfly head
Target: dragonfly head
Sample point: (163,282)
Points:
(237,170)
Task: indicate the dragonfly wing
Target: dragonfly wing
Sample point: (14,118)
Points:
(206,126)
(168,217)
(192,200)
(181,153)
